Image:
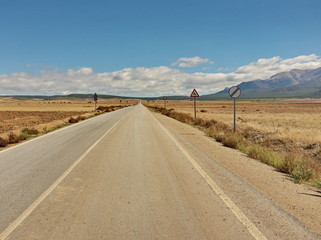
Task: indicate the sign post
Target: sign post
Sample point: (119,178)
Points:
(165,98)
(234,93)
(194,94)
(95,99)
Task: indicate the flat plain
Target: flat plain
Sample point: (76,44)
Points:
(287,119)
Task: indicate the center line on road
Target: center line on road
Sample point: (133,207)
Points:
(40,199)
(255,232)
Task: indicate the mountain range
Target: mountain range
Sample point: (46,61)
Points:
(293,84)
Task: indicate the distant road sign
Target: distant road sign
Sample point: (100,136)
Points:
(95,97)
(234,92)
(194,93)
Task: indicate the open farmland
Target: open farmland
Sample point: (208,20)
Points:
(45,115)
(296,121)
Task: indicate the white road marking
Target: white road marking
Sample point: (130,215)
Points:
(255,232)
(39,200)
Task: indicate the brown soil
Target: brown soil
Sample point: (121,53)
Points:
(12,120)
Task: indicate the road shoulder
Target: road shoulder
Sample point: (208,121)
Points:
(300,201)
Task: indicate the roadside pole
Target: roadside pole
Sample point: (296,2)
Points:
(234,93)
(194,108)
(95,99)
(165,98)
(194,95)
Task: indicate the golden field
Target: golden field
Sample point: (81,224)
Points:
(285,120)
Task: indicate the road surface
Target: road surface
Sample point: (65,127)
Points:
(124,175)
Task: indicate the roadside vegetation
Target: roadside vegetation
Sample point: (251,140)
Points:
(302,168)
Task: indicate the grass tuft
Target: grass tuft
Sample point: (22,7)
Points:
(28,133)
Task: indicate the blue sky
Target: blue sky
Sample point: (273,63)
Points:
(137,43)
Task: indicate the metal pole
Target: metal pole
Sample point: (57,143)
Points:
(234,115)
(95,105)
(194,108)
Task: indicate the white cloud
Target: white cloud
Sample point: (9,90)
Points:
(142,81)
(190,62)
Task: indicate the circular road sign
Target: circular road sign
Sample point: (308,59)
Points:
(95,97)
(234,92)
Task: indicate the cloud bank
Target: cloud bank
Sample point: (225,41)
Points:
(142,81)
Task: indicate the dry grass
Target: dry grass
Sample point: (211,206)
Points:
(285,120)
(302,162)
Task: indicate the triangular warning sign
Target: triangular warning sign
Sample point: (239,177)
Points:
(194,93)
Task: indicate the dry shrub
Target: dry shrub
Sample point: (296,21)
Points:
(3,142)
(220,128)
(73,120)
(210,123)
(263,154)
(199,121)
(248,132)
(77,119)
(182,117)
(30,131)
(228,139)
(110,108)
(13,138)
(232,140)
(294,165)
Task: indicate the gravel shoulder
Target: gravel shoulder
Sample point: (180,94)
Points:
(301,202)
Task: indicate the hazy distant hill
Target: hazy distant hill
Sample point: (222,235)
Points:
(293,84)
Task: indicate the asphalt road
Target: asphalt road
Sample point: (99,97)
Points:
(124,175)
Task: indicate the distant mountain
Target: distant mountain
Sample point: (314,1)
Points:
(90,96)
(293,84)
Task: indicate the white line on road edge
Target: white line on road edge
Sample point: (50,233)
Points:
(37,202)
(229,203)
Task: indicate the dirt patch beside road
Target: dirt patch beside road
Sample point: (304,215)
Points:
(15,120)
